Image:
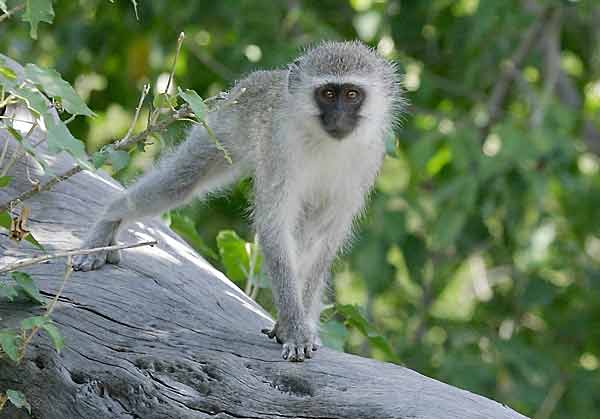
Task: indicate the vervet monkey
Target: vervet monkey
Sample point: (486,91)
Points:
(313,138)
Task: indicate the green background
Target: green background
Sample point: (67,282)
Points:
(478,260)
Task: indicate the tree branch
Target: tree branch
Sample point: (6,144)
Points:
(501,89)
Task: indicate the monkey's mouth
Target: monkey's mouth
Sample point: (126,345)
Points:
(338,125)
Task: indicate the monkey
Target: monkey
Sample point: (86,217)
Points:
(312,136)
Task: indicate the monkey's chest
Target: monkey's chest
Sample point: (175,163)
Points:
(335,174)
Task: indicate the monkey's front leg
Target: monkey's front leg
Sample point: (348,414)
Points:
(291,328)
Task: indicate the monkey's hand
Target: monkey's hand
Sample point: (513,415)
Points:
(101,235)
(298,342)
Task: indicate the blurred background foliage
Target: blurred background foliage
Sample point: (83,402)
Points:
(478,260)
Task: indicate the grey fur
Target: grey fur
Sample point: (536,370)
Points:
(309,187)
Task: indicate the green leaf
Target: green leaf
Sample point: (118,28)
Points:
(119,159)
(99,158)
(5,220)
(8,73)
(50,82)
(5,181)
(25,283)
(353,317)
(33,98)
(16,134)
(8,291)
(37,11)
(31,239)
(195,102)
(3,6)
(55,335)
(18,399)
(236,255)
(333,334)
(186,228)
(164,101)
(61,139)
(34,321)
(9,341)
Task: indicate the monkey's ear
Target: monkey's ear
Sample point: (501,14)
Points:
(294,74)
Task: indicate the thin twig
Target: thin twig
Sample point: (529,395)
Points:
(17,120)
(3,154)
(45,258)
(68,272)
(45,187)
(137,111)
(554,395)
(12,11)
(49,309)
(551,41)
(172,74)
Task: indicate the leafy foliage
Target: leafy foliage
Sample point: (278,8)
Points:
(478,261)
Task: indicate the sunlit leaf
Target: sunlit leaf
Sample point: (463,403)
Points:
(234,256)
(7,73)
(34,99)
(61,139)
(195,102)
(51,83)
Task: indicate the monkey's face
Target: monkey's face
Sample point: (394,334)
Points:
(339,106)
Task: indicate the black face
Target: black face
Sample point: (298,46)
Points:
(339,105)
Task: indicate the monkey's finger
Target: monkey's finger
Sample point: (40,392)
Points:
(271,333)
(285,353)
(298,353)
(308,350)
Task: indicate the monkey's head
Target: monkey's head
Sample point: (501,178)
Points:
(346,87)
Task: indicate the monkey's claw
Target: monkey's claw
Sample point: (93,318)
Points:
(272,333)
(95,261)
(296,352)
(295,348)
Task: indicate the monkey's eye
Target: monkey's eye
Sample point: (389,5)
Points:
(328,94)
(352,95)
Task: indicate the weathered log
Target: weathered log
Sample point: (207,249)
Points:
(165,335)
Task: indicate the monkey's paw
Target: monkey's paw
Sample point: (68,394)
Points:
(297,344)
(95,260)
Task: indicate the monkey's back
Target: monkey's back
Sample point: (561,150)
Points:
(242,124)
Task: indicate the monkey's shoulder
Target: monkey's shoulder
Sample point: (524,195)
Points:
(261,84)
